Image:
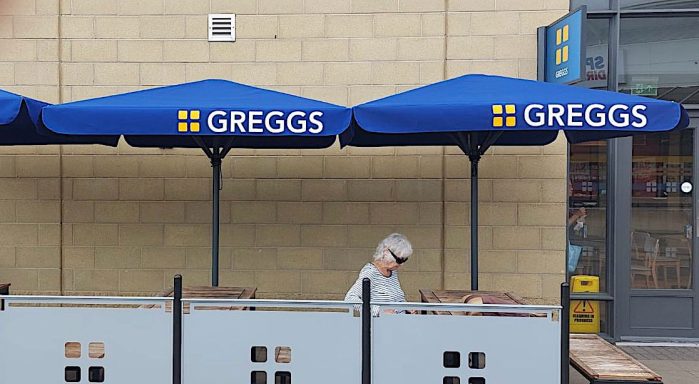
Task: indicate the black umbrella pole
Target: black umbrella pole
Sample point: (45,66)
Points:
(474,222)
(177,331)
(216,165)
(565,333)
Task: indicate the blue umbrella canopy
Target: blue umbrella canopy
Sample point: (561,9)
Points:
(499,110)
(475,112)
(20,124)
(209,113)
(215,115)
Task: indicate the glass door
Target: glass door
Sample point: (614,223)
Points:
(661,265)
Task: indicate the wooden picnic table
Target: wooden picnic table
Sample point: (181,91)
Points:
(457,296)
(204,292)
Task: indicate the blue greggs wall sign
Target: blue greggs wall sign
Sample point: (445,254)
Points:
(565,48)
(253,122)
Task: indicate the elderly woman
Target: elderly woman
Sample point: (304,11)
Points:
(390,254)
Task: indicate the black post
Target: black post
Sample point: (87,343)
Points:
(177,331)
(366,331)
(565,333)
(216,165)
(474,221)
(4,290)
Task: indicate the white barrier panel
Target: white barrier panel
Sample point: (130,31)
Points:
(309,342)
(454,349)
(300,344)
(52,344)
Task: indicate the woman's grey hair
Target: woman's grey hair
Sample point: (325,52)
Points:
(397,243)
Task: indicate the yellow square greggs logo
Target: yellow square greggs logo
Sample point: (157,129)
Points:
(504,115)
(562,44)
(188,121)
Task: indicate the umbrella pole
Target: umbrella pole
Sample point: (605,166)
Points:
(216,166)
(474,221)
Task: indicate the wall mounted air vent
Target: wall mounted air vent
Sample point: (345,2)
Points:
(222,27)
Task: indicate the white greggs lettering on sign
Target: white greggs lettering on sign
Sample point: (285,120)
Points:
(259,122)
(577,115)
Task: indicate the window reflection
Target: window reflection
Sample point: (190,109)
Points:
(658,57)
(587,210)
(661,213)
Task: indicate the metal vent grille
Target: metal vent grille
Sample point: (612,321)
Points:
(222,27)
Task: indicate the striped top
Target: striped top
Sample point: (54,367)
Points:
(386,289)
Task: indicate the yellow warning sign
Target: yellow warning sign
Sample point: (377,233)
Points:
(584,317)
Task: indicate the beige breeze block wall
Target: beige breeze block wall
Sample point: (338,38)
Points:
(97,220)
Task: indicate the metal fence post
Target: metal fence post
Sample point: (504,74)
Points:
(4,290)
(565,333)
(366,331)
(177,332)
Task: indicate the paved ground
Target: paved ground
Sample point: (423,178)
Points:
(677,365)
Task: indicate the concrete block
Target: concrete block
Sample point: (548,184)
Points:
(77,27)
(279,6)
(397,24)
(300,258)
(517,238)
(324,235)
(300,73)
(301,26)
(256,26)
(345,213)
(242,50)
(94,50)
(324,190)
(281,190)
(96,280)
(79,257)
(185,51)
(373,49)
(395,72)
(421,48)
(144,189)
(394,213)
(38,212)
(349,25)
(433,24)
(278,50)
(140,281)
(277,235)
(121,257)
(326,50)
(238,6)
(38,257)
(95,234)
(91,7)
(252,259)
(299,212)
(419,190)
(190,235)
(136,7)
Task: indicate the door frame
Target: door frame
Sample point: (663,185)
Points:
(619,228)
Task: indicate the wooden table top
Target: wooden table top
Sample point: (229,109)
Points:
(213,292)
(205,292)
(603,361)
(457,296)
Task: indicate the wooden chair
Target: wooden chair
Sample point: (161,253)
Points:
(679,262)
(644,253)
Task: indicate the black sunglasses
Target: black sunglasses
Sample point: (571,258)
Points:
(398,259)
